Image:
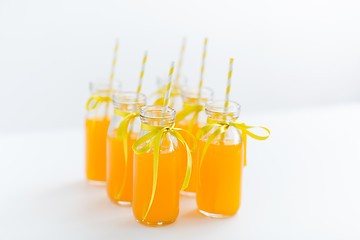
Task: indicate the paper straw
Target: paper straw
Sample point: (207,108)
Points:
(168,89)
(141,75)
(228,85)
(112,73)
(114,62)
(202,68)
(181,57)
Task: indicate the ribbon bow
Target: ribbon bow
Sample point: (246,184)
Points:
(122,134)
(98,99)
(189,109)
(153,140)
(222,127)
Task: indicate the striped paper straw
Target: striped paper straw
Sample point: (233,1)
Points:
(114,62)
(112,73)
(168,89)
(228,85)
(181,57)
(141,75)
(202,68)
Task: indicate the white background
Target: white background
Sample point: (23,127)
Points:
(296,71)
(287,53)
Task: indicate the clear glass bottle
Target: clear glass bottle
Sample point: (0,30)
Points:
(165,206)
(119,168)
(96,125)
(193,122)
(220,174)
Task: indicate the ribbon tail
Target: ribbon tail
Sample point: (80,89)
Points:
(155,170)
(204,130)
(189,160)
(193,120)
(194,139)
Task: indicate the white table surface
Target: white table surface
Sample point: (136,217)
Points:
(301,183)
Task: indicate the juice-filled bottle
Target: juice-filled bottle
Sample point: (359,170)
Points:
(220,166)
(100,110)
(120,155)
(192,118)
(156,183)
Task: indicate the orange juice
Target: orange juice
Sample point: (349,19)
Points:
(191,189)
(96,132)
(165,207)
(219,186)
(120,178)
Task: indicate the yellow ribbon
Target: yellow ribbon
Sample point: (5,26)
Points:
(122,134)
(189,109)
(153,140)
(222,127)
(98,99)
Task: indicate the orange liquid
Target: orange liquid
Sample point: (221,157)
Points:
(165,207)
(96,132)
(183,163)
(219,186)
(116,169)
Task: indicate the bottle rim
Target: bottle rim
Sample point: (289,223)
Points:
(129,98)
(154,112)
(217,107)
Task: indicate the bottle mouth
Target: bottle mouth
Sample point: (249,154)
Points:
(155,112)
(129,98)
(217,109)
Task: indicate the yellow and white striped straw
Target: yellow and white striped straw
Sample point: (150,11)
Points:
(114,62)
(202,68)
(228,84)
(181,57)
(141,74)
(168,89)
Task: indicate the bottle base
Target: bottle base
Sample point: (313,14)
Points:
(96,183)
(121,203)
(155,224)
(188,194)
(214,215)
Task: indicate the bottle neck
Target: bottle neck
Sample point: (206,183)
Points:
(154,116)
(216,110)
(224,117)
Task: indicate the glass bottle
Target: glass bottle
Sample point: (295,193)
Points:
(193,122)
(220,174)
(119,168)
(165,206)
(96,125)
